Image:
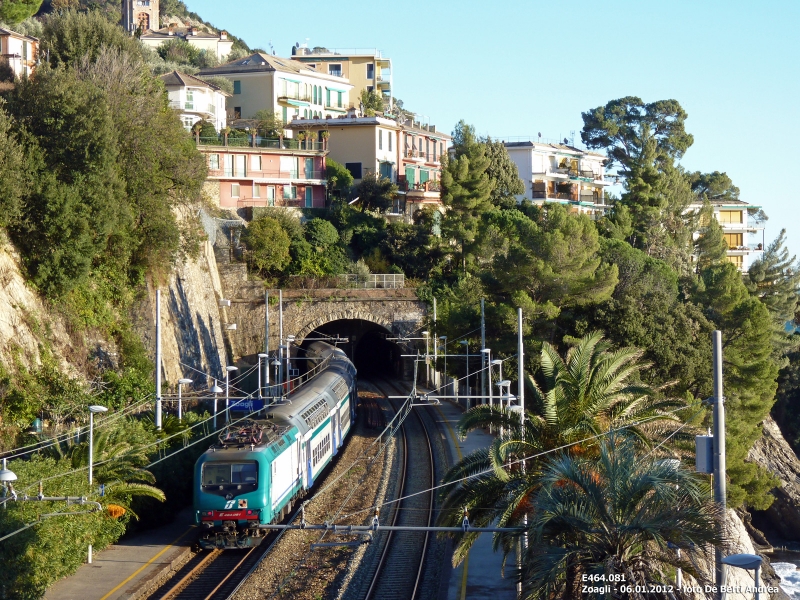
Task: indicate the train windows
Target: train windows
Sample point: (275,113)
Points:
(244,473)
(224,474)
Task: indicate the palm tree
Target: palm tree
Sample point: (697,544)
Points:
(590,392)
(120,459)
(620,514)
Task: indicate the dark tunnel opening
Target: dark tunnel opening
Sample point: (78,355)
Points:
(368,348)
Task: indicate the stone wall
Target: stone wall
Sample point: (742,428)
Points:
(397,310)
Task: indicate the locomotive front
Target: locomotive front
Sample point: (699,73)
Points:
(231,492)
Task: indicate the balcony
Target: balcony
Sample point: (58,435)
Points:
(335,107)
(275,144)
(426,186)
(295,99)
(202,108)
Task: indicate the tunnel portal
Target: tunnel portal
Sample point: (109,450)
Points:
(367,347)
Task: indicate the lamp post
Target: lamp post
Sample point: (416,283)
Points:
(444,350)
(6,477)
(181,382)
(425,334)
(486,359)
(277,364)
(215,390)
(260,357)
(228,370)
(93,410)
(465,343)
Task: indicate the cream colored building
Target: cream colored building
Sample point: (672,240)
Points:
(19,51)
(284,86)
(737,229)
(140,14)
(408,155)
(195,99)
(366,69)
(213,43)
(561,173)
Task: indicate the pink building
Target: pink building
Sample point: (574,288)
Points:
(268,176)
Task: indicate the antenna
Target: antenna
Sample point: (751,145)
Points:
(271,47)
(540,136)
(572,138)
(297,44)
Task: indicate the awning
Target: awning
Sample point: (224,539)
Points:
(296,102)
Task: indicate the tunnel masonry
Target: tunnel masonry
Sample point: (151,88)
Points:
(396,312)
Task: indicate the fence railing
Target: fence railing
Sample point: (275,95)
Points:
(252,174)
(201,107)
(373,281)
(247,141)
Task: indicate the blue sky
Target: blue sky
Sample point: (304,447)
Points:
(519,68)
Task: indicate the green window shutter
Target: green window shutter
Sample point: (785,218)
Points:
(309,196)
(237,87)
(423,175)
(410,175)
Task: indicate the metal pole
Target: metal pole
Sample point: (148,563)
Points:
(266,337)
(280,328)
(469,391)
(484,362)
(180,408)
(158,359)
(227,395)
(427,361)
(259,376)
(520,354)
(435,350)
(758,583)
(215,406)
(91,445)
(719,455)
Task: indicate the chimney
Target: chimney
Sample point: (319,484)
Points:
(193,31)
(172,28)
(223,35)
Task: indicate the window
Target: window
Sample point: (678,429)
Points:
(289,166)
(737,260)
(380,139)
(339,99)
(285,116)
(370,71)
(370,88)
(240,165)
(309,196)
(335,69)
(427,147)
(390,136)
(327,97)
(256,191)
(255,162)
(271,195)
(386,169)
(354,168)
(309,168)
(410,176)
(228,165)
(734,240)
(237,87)
(730,216)
(215,473)
(237,112)
(189,100)
(290,192)
(213,161)
(434,151)
(234,190)
(423,175)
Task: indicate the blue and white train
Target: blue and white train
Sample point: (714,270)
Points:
(259,468)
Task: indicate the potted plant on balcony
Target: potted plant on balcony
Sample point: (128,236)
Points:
(324,134)
(225,132)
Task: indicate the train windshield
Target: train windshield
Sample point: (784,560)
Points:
(219,474)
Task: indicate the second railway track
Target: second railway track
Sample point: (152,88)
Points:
(402,563)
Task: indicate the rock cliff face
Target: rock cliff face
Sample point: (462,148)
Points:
(26,324)
(773,452)
(192,339)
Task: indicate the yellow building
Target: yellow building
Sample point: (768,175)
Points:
(284,86)
(365,69)
(407,154)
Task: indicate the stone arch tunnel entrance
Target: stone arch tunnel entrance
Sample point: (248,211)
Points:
(368,348)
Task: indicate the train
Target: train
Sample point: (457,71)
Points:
(260,467)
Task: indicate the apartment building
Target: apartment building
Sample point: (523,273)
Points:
(745,237)
(561,173)
(19,51)
(217,44)
(284,86)
(407,154)
(272,173)
(195,99)
(364,68)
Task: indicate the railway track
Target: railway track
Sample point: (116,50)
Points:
(403,558)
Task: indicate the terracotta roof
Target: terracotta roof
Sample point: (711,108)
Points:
(260,62)
(4,32)
(176,78)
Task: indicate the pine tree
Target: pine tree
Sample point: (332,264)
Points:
(466,191)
